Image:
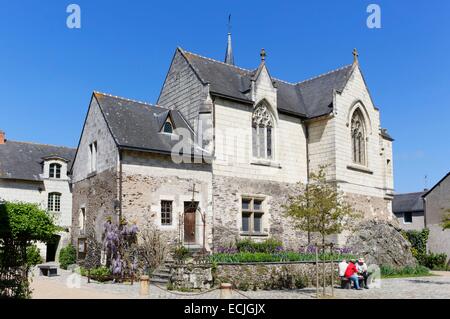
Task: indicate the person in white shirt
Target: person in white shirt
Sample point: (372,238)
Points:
(362,271)
(342,266)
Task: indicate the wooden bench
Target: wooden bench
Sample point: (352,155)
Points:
(48,270)
(347,284)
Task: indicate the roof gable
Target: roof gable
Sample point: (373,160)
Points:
(137,125)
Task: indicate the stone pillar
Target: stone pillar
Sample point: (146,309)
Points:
(225,291)
(145,280)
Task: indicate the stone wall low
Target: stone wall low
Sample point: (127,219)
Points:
(293,275)
(191,276)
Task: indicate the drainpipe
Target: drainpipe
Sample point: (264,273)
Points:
(307,170)
(120,186)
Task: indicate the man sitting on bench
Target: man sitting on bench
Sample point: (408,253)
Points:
(352,274)
(362,271)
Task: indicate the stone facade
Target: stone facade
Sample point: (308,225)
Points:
(141,180)
(437,204)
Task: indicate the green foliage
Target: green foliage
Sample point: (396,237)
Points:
(320,208)
(408,271)
(20,225)
(100,274)
(181,253)
(433,261)
(67,256)
(268,246)
(33,256)
(418,240)
(284,256)
(446,220)
(26,222)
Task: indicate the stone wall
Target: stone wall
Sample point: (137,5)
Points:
(191,276)
(253,276)
(96,195)
(228,192)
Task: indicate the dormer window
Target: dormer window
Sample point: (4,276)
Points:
(55,170)
(262,132)
(168,128)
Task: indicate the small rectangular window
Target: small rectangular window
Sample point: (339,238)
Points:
(166,212)
(93,157)
(252,215)
(407,217)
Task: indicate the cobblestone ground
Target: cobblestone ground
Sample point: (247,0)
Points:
(68,285)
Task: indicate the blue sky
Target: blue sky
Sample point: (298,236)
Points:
(48,72)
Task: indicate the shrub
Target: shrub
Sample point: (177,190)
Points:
(100,274)
(270,245)
(33,256)
(433,261)
(67,256)
(181,253)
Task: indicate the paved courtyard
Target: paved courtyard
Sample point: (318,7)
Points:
(71,286)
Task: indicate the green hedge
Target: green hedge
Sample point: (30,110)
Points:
(286,256)
(433,261)
(67,256)
(270,245)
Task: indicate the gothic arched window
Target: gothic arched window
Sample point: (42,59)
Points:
(358,138)
(262,132)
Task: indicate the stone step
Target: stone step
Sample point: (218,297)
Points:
(160,275)
(158,280)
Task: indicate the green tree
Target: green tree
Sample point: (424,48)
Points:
(21,224)
(320,208)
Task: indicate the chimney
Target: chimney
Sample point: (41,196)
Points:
(2,137)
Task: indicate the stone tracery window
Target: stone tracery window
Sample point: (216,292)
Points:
(262,132)
(358,138)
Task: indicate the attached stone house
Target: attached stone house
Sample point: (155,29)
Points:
(251,138)
(437,204)
(38,173)
(409,210)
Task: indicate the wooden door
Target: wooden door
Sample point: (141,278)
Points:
(189,223)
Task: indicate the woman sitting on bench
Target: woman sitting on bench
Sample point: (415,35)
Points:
(352,274)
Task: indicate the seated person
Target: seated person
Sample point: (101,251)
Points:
(352,274)
(342,266)
(362,271)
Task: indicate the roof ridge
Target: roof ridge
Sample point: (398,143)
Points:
(40,144)
(283,81)
(217,61)
(323,74)
(126,99)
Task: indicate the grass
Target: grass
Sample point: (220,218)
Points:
(404,272)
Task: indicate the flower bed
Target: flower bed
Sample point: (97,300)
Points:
(285,256)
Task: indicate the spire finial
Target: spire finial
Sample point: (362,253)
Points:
(355,56)
(229,58)
(263,55)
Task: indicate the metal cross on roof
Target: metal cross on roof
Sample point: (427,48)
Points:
(355,55)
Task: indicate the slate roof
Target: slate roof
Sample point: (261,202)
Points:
(409,202)
(137,125)
(23,161)
(310,98)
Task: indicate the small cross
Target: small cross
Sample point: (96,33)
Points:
(355,55)
(193,192)
(263,54)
